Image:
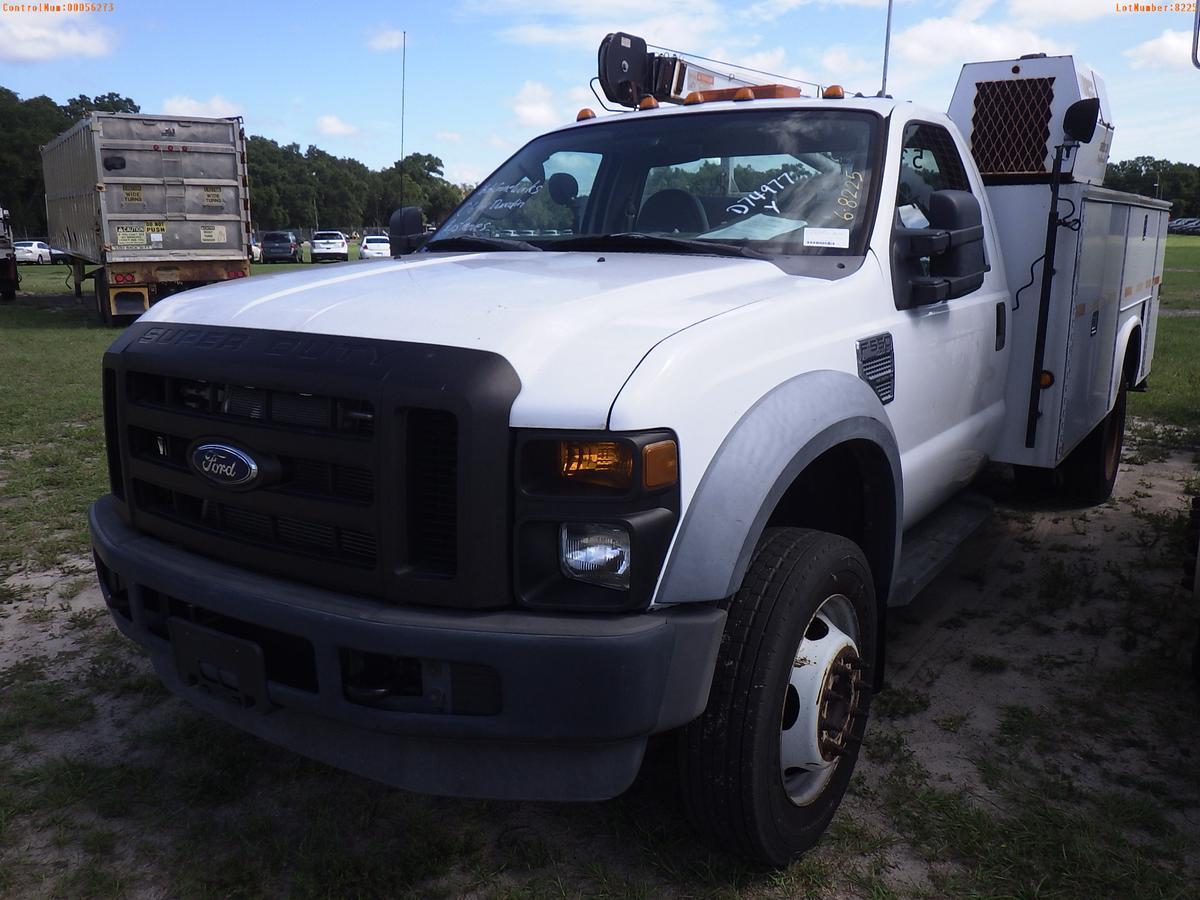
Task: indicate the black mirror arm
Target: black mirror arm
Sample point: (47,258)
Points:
(935,288)
(932,241)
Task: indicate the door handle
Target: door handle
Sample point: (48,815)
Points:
(1001,324)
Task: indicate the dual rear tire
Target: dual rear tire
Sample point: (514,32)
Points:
(1089,473)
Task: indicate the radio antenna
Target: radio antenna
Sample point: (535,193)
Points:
(403,74)
(887,46)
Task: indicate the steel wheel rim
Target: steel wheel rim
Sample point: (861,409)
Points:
(825,666)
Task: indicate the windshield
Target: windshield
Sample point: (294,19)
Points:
(374,240)
(277,237)
(327,236)
(780,182)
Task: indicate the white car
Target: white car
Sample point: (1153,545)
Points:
(330,245)
(32,252)
(375,246)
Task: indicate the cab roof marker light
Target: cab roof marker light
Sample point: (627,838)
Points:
(584,114)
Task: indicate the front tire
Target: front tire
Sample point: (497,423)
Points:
(765,766)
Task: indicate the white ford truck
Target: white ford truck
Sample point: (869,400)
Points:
(646,438)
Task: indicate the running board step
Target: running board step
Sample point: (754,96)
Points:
(930,546)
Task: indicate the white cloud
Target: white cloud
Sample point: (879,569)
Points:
(1038,11)
(451,137)
(494,140)
(215,106)
(534,106)
(1170,50)
(334,126)
(923,46)
(387,39)
(556,35)
(582,24)
(23,41)
(769,10)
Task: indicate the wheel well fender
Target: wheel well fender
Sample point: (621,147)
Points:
(819,438)
(1127,361)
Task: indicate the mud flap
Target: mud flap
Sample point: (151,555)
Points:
(226,667)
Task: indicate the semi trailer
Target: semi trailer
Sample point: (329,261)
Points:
(146,206)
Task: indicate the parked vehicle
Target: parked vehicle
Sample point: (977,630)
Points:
(282,246)
(330,245)
(1184,226)
(374,246)
(256,254)
(151,205)
(9,279)
(482,521)
(32,252)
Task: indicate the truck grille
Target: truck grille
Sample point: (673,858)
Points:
(236,401)
(263,529)
(361,480)
(1010,127)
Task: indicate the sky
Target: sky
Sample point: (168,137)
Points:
(484,76)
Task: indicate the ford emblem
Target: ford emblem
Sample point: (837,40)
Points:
(224,465)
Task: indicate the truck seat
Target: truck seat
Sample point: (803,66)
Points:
(672,210)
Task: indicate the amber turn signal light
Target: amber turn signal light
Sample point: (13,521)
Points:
(660,465)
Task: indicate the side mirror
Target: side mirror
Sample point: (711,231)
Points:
(1079,121)
(405,230)
(943,261)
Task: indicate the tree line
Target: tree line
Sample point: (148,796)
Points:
(1177,182)
(289,188)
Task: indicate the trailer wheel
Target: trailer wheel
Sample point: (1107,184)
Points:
(103,310)
(1090,471)
(765,766)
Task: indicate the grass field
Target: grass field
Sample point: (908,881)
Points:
(56,279)
(1038,739)
(1181,278)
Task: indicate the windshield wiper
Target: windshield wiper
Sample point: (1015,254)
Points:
(479,242)
(636,241)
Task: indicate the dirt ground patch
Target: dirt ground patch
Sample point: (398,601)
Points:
(1039,736)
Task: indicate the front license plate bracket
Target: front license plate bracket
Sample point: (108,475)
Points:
(227,667)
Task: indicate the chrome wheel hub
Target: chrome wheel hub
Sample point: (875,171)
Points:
(821,703)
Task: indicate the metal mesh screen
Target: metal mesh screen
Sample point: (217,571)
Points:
(1011,125)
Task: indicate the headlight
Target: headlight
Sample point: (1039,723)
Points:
(598,554)
(594,513)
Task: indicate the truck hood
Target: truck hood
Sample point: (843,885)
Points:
(573,325)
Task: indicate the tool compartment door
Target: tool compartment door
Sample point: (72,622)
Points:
(1117,274)
(1093,317)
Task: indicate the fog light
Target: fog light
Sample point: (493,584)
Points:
(597,554)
